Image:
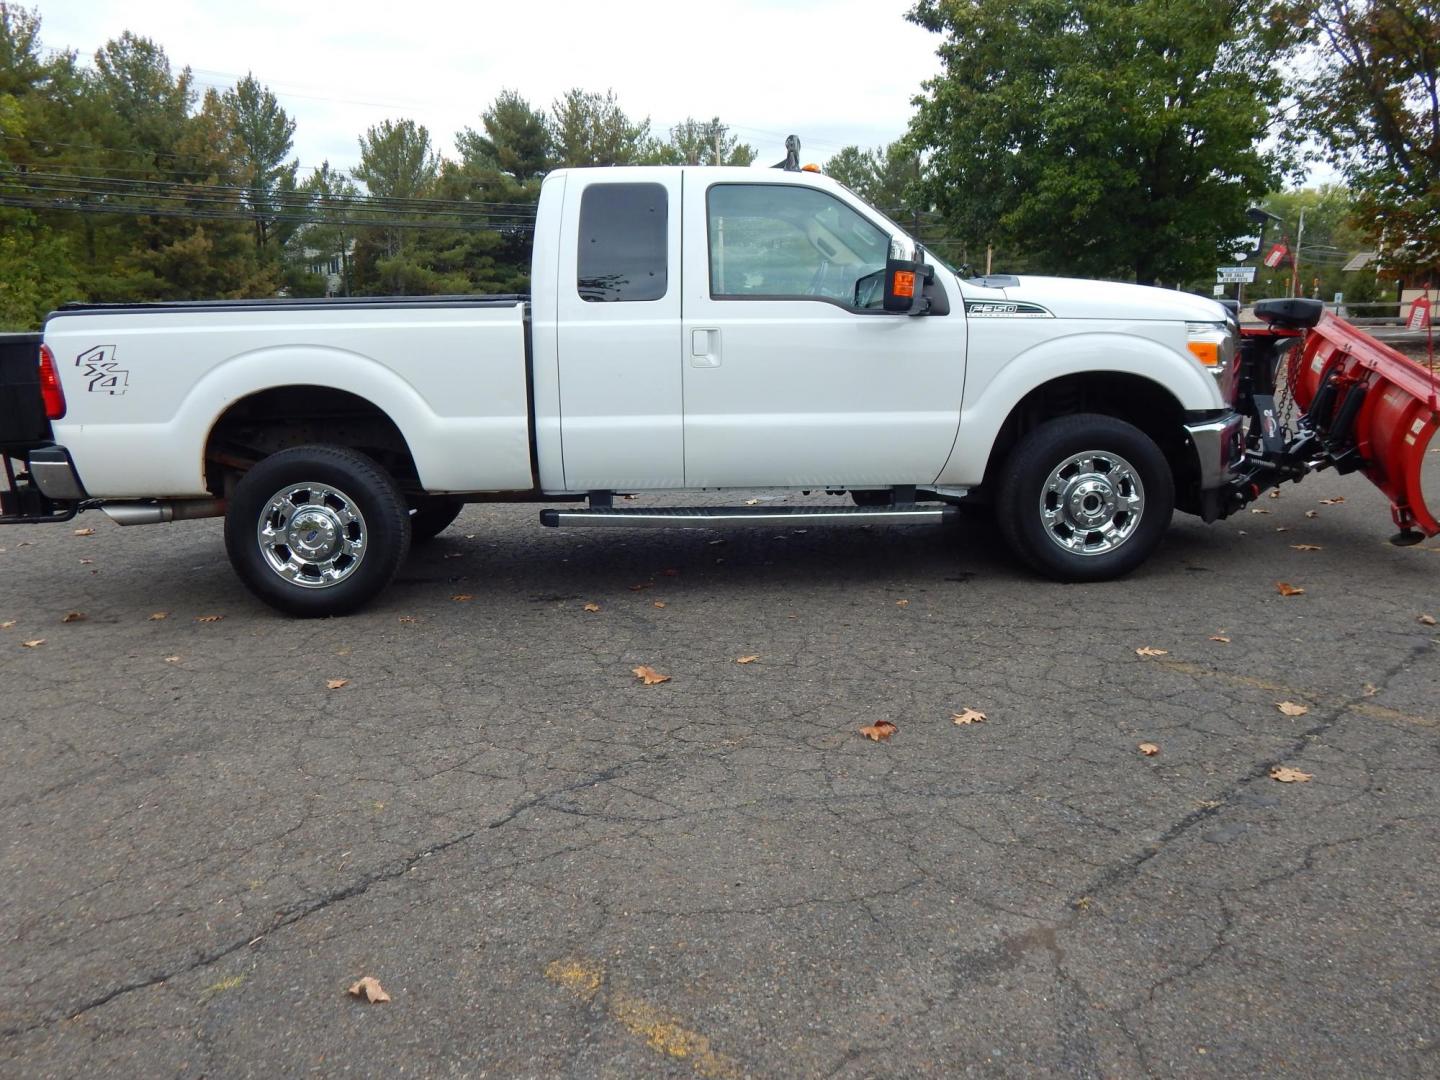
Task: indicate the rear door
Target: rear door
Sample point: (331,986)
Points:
(618,326)
(788,380)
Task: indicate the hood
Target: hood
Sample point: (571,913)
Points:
(1076,298)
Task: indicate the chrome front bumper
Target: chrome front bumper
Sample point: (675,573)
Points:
(1219,447)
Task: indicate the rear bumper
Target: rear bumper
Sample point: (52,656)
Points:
(52,471)
(1219,443)
(46,488)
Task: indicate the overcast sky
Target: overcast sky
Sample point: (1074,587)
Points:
(832,71)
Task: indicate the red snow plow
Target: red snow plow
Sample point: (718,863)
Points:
(1347,402)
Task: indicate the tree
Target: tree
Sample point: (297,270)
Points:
(396,162)
(516,140)
(591,129)
(1099,137)
(1374,103)
(700,142)
(264,135)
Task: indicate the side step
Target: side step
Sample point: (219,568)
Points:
(709,517)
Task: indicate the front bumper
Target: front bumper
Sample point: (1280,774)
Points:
(1219,443)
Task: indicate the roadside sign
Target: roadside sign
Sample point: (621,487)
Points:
(1419,314)
(1230,275)
(1276,256)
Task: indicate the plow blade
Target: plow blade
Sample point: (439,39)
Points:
(1372,409)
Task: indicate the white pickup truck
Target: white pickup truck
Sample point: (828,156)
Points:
(689,328)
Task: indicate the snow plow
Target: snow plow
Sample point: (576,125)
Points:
(1346,402)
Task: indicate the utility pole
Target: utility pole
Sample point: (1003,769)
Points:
(989,257)
(1295,258)
(717,145)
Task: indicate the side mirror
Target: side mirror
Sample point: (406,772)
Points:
(905,282)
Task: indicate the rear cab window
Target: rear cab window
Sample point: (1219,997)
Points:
(623,231)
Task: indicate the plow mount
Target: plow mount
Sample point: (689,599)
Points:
(1347,402)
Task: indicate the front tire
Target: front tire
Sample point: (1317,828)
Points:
(1085,498)
(317,530)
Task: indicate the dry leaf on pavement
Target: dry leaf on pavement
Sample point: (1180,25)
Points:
(336,684)
(968,716)
(878,731)
(902,603)
(172,659)
(210,618)
(659,604)
(752,502)
(407,618)
(1426,620)
(85,532)
(1258,510)
(462,597)
(648,675)
(1333,502)
(592,607)
(1148,650)
(1284,588)
(1306,547)
(1312,513)
(642,586)
(1287,775)
(1370,689)
(370,989)
(7,624)
(74,616)
(1149,749)
(1220,638)
(746,659)
(32,644)
(157,616)
(1292,708)
(1275,494)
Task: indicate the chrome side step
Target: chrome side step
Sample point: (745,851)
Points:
(709,517)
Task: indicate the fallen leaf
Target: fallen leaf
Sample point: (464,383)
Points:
(746,659)
(210,618)
(1258,510)
(878,731)
(462,598)
(86,562)
(1149,749)
(1286,589)
(659,603)
(1312,513)
(592,607)
(1370,689)
(902,603)
(648,675)
(752,502)
(1337,500)
(1306,547)
(1282,528)
(336,684)
(32,644)
(1220,638)
(642,586)
(1292,708)
(85,532)
(1425,620)
(343,652)
(1287,775)
(157,616)
(1275,494)
(1146,650)
(73,616)
(1083,904)
(370,989)
(7,624)
(407,618)
(172,659)
(968,716)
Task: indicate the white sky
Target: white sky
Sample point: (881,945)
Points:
(832,71)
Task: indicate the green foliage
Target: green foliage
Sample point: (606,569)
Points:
(263,135)
(697,142)
(516,140)
(1371,101)
(591,129)
(1099,137)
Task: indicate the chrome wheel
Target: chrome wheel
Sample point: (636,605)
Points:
(1092,502)
(312,535)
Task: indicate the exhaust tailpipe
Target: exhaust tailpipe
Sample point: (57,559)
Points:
(153,513)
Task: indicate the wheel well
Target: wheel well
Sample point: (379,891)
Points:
(276,419)
(1132,398)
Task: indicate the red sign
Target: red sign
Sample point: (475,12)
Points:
(1276,256)
(1419,314)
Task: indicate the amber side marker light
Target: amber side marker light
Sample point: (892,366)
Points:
(810,168)
(1207,352)
(904,283)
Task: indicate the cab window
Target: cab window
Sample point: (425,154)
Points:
(622,256)
(784,241)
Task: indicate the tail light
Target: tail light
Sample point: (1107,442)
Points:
(51,391)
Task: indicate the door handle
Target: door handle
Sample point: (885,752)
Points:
(704,348)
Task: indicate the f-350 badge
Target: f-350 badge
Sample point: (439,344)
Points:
(104,375)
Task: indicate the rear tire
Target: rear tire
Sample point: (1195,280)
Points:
(317,530)
(433,515)
(1085,498)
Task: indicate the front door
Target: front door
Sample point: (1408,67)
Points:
(788,381)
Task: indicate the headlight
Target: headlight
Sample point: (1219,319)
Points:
(1214,345)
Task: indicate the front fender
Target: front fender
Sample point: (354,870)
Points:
(991,395)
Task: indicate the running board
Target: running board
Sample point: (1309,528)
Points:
(709,517)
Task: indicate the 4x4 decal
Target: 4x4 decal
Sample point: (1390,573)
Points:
(105,376)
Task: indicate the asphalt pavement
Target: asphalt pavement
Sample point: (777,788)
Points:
(556,870)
